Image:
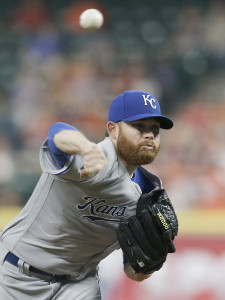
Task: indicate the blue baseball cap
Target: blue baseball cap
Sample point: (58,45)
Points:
(136,105)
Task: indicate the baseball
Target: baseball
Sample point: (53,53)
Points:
(91,19)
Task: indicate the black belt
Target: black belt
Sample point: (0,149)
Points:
(13,259)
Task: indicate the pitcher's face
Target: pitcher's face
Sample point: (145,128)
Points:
(138,141)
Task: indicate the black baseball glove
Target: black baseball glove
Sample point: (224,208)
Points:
(147,238)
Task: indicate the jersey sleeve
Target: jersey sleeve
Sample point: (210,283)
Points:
(68,167)
(56,162)
(59,156)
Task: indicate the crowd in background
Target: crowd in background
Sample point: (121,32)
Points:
(52,70)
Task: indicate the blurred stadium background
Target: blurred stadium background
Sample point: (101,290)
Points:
(52,70)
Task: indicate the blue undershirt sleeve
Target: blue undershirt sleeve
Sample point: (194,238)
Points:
(145,185)
(59,156)
(125,260)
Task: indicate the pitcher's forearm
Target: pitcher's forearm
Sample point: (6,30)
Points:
(72,142)
(134,276)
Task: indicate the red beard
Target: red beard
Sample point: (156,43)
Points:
(136,155)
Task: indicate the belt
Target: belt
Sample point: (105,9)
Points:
(13,259)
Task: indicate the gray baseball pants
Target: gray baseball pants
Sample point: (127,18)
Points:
(18,284)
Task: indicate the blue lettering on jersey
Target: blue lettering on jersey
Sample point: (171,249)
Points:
(99,207)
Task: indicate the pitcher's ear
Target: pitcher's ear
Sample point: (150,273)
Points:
(113,130)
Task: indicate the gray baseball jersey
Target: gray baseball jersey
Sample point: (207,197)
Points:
(69,225)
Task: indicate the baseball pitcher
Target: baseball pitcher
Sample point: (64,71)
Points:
(90,200)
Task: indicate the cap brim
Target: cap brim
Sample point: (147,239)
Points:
(165,122)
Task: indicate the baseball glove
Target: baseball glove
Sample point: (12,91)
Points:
(147,238)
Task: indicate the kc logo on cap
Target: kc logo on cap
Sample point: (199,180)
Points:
(151,100)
